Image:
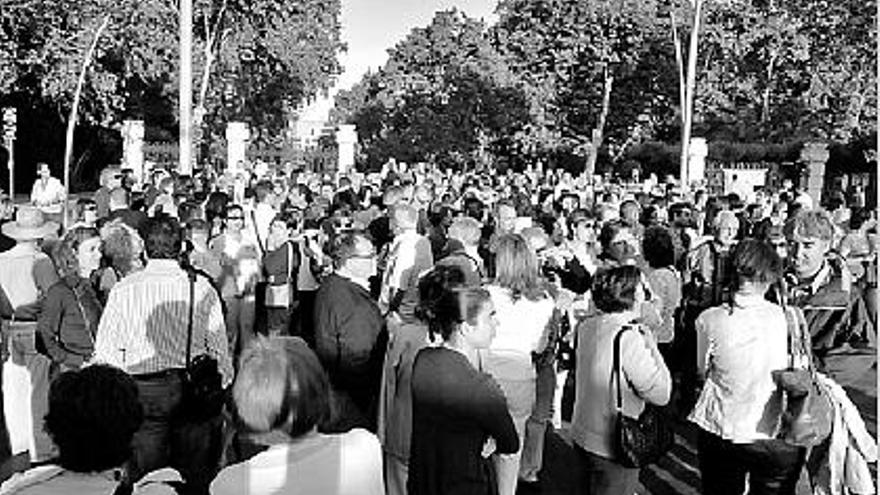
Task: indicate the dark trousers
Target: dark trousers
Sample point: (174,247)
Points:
(600,476)
(304,319)
(163,440)
(773,466)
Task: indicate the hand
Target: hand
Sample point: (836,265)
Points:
(489,447)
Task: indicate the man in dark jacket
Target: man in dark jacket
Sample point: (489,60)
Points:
(844,337)
(350,335)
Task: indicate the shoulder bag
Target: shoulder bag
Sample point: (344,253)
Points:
(643,440)
(808,413)
(203,394)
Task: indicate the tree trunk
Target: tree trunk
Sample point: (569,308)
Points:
(599,130)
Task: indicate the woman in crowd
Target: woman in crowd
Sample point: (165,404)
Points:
(280,267)
(619,245)
(664,281)
(617,294)
(281,396)
(215,213)
(459,413)
(123,251)
(524,310)
(93,414)
(739,345)
(71,310)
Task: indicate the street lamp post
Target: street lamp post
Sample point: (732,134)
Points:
(185,88)
(689,93)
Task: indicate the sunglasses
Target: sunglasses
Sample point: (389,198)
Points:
(235,218)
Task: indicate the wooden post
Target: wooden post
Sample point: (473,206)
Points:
(185,88)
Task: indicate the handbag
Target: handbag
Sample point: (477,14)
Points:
(808,413)
(643,440)
(203,394)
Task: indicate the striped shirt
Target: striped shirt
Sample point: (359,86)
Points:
(143,328)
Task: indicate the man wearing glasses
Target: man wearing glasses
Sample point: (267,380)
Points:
(350,334)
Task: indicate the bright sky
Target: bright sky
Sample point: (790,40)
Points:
(370,27)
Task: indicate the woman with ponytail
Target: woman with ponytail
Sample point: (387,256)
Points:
(459,413)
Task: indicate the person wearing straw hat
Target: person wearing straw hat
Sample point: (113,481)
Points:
(25,273)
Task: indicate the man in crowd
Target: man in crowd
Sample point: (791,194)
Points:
(843,335)
(110,178)
(26,273)
(48,193)
(119,208)
(464,240)
(350,333)
(143,331)
(408,257)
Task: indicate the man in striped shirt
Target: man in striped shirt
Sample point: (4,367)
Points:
(144,331)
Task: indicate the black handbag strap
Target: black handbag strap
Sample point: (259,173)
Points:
(615,370)
(189,324)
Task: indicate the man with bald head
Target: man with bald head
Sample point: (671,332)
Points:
(119,208)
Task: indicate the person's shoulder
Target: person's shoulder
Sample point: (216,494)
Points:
(361,440)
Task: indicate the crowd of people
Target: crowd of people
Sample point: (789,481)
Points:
(419,330)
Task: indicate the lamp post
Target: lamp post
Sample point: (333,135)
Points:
(185,88)
(688,108)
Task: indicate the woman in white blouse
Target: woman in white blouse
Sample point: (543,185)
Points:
(524,310)
(739,345)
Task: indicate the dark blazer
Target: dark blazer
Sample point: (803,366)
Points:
(350,340)
(455,409)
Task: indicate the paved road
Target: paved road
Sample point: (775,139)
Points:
(677,473)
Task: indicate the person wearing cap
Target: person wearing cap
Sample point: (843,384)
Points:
(843,334)
(48,193)
(26,274)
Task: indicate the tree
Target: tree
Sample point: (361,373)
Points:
(263,56)
(596,69)
(445,95)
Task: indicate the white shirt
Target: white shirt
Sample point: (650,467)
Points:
(409,256)
(344,464)
(738,351)
(522,329)
(48,197)
(144,325)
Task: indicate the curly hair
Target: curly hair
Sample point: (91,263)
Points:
(614,289)
(123,246)
(93,415)
(64,253)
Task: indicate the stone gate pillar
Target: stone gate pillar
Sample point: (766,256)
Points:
(346,138)
(237,135)
(814,156)
(697,153)
(133,149)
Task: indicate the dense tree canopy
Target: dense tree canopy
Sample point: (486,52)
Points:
(261,56)
(606,72)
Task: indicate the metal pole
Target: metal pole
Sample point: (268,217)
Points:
(185,88)
(10,145)
(74,109)
(689,94)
